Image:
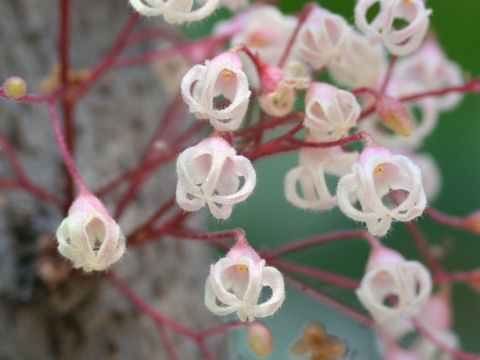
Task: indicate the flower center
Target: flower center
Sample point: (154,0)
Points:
(226,74)
(379,170)
(242,269)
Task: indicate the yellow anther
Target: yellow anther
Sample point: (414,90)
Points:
(226,74)
(242,269)
(379,170)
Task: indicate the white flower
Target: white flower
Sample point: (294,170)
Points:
(220,79)
(393,287)
(361,64)
(266,31)
(314,164)
(431,70)
(402,41)
(210,173)
(330,112)
(322,39)
(235,284)
(88,236)
(175,11)
(376,174)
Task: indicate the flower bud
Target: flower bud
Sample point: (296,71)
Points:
(259,339)
(394,115)
(89,236)
(15,87)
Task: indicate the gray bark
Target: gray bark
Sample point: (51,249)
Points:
(84,317)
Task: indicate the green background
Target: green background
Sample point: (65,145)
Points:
(270,221)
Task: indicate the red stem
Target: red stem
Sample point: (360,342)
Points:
(67,158)
(388,76)
(301,20)
(316,240)
(339,280)
(423,246)
(167,343)
(67,105)
(32,189)
(109,59)
(31,98)
(165,129)
(326,299)
(445,219)
(270,124)
(12,157)
(149,310)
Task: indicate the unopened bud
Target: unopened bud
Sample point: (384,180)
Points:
(15,87)
(394,115)
(260,339)
(472,222)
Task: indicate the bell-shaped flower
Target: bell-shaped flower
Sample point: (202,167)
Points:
(362,63)
(211,173)
(393,287)
(309,176)
(218,91)
(322,38)
(399,41)
(330,112)
(266,31)
(89,236)
(387,187)
(431,70)
(236,281)
(175,11)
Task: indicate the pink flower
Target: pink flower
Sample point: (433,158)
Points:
(89,236)
(266,31)
(220,79)
(236,281)
(322,39)
(330,112)
(375,175)
(401,41)
(210,173)
(360,64)
(431,70)
(393,287)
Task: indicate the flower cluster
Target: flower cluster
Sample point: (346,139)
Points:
(247,94)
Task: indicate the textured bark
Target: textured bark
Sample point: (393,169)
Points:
(85,317)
